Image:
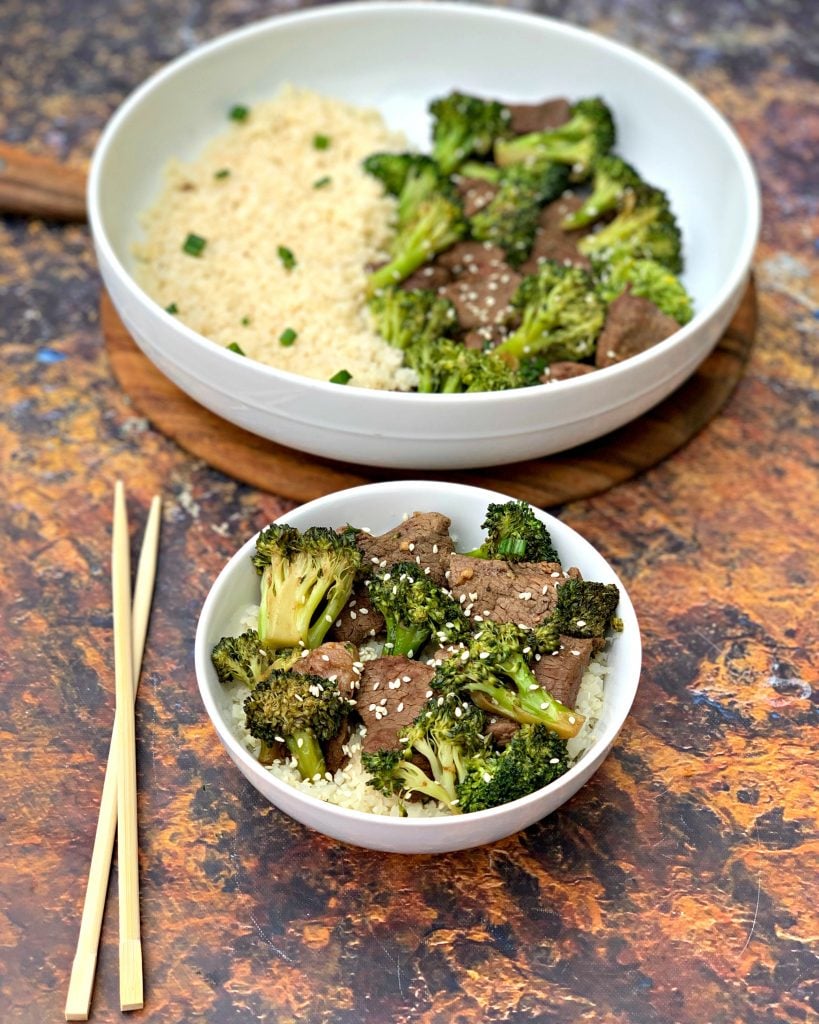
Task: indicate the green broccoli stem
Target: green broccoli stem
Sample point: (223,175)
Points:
(531,704)
(441,764)
(407,261)
(527,340)
(451,151)
(405,640)
(306,749)
(412,778)
(510,547)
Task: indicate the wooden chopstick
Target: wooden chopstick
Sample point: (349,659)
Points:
(81,984)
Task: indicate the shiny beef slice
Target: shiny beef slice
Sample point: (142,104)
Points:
(392,692)
(633,324)
(560,673)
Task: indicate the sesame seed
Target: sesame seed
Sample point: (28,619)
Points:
(554,760)
(400,707)
(325,657)
(572,719)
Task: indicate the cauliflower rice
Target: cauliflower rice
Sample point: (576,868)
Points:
(349,786)
(252,190)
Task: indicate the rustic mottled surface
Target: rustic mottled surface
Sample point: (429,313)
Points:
(676,887)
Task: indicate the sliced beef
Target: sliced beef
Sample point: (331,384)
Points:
(332,660)
(422,538)
(430,277)
(393,690)
(560,673)
(501,731)
(335,756)
(472,258)
(538,117)
(632,325)
(482,299)
(485,337)
(519,592)
(358,620)
(551,241)
(564,370)
(475,194)
(272,752)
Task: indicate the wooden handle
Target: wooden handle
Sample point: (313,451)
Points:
(38,186)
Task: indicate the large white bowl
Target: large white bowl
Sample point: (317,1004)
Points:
(380,507)
(396,57)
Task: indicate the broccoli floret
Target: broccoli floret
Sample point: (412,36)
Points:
(510,218)
(301,710)
(580,142)
(496,657)
(405,318)
(534,757)
(393,169)
(306,580)
(414,608)
(645,228)
(437,224)
(650,280)
(585,608)
(246,660)
(447,734)
(613,180)
(515,534)
(465,126)
(562,315)
(449,367)
(480,171)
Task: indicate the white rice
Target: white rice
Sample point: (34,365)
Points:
(237,290)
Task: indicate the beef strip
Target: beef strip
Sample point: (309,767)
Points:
(430,277)
(560,673)
(475,193)
(632,325)
(501,730)
(358,620)
(564,370)
(335,756)
(538,117)
(482,299)
(393,690)
(551,241)
(472,258)
(422,538)
(332,660)
(494,589)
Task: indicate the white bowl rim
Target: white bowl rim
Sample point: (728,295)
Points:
(596,752)
(742,261)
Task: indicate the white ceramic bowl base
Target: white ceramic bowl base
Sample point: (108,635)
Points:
(380,507)
(396,57)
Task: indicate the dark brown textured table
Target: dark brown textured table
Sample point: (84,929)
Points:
(678,886)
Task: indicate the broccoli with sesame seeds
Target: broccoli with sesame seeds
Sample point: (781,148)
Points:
(649,280)
(645,228)
(510,218)
(306,580)
(411,178)
(406,318)
(562,315)
(437,223)
(495,672)
(585,608)
(465,126)
(300,709)
(534,757)
(414,608)
(580,142)
(447,733)
(448,367)
(613,180)
(246,661)
(393,169)
(515,534)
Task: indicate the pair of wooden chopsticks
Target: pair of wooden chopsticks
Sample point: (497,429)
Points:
(118,806)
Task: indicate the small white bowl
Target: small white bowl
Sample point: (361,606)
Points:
(396,57)
(380,507)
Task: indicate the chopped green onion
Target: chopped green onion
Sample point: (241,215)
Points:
(321,142)
(223,173)
(239,112)
(245,321)
(287,257)
(173,309)
(342,377)
(287,337)
(322,182)
(234,347)
(194,245)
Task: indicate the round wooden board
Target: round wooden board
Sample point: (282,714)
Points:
(554,480)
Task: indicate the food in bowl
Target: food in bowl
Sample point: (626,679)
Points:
(391,674)
(520,251)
